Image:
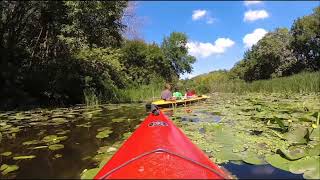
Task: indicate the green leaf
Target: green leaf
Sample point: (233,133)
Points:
(8,153)
(104,134)
(89,174)
(277,161)
(294,152)
(5,169)
(24,157)
(297,135)
(309,166)
(55,147)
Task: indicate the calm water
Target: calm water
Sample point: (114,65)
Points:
(81,144)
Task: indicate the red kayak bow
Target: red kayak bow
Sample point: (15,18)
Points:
(160,150)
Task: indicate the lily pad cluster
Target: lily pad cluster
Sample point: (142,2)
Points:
(258,129)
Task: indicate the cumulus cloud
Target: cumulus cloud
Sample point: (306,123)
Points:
(210,20)
(198,14)
(248,3)
(202,14)
(202,50)
(255,15)
(252,38)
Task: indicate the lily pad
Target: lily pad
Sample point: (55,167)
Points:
(31,142)
(24,157)
(310,166)
(85,125)
(296,136)
(253,158)
(55,147)
(118,120)
(53,139)
(57,156)
(315,134)
(38,147)
(5,168)
(314,150)
(277,161)
(8,153)
(104,134)
(89,174)
(103,128)
(294,152)
(62,132)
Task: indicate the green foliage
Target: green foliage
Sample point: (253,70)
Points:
(220,81)
(282,52)
(70,52)
(175,50)
(306,40)
(270,57)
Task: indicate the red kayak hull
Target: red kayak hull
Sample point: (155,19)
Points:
(160,150)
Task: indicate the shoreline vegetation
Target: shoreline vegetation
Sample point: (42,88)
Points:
(63,53)
(303,83)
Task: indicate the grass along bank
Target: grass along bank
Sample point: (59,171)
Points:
(219,81)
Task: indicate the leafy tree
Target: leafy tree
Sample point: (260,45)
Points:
(175,50)
(270,57)
(306,40)
(96,23)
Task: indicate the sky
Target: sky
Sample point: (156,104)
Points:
(219,32)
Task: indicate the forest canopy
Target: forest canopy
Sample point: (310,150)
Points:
(57,52)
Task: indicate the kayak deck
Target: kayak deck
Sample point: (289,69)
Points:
(159,150)
(161,103)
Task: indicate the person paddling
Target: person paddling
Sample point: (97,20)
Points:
(177,94)
(166,94)
(190,93)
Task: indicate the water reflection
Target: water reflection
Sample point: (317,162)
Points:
(247,171)
(79,124)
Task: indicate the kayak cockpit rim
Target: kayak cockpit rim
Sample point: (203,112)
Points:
(165,151)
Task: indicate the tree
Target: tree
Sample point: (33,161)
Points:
(175,50)
(306,40)
(270,57)
(96,23)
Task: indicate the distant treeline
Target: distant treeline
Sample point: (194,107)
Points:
(283,52)
(265,67)
(69,52)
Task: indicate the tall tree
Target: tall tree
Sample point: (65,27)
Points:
(306,40)
(175,50)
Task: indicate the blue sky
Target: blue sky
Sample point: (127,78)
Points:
(219,32)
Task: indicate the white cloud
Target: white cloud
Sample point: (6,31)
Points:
(210,20)
(202,14)
(189,75)
(200,49)
(198,14)
(248,3)
(252,38)
(255,15)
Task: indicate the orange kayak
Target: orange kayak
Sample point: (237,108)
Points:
(160,150)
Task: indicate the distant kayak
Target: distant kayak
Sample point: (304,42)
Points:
(164,103)
(160,150)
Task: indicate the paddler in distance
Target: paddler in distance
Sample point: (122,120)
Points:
(166,94)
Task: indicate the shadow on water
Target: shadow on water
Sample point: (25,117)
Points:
(247,171)
(79,148)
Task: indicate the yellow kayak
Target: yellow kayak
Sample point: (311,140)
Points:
(163,103)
